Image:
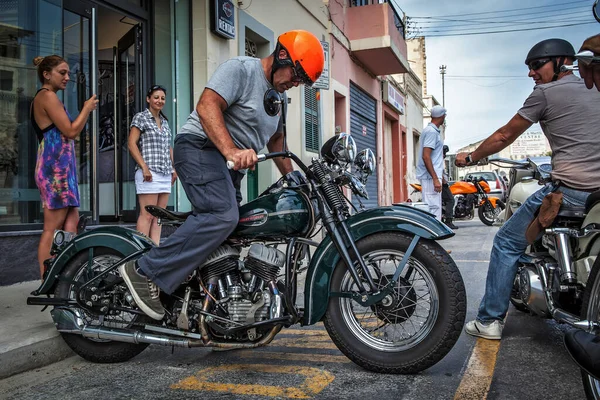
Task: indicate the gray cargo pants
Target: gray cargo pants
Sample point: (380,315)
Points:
(214,193)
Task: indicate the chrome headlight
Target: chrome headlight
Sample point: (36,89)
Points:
(339,149)
(365,161)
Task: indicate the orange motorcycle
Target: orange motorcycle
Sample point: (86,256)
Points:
(470,194)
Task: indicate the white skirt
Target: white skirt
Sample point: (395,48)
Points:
(161,183)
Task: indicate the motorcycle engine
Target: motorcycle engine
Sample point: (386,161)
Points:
(247,290)
(463,206)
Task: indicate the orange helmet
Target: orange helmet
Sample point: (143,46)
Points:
(305,53)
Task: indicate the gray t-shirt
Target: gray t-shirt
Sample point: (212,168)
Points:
(569,115)
(241,82)
(431,138)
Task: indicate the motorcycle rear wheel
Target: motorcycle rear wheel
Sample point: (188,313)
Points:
(487,212)
(98,351)
(590,310)
(414,327)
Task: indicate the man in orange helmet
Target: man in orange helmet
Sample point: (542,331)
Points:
(231,122)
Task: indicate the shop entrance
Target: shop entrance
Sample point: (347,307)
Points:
(104,50)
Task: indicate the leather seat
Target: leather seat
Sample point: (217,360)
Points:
(163,213)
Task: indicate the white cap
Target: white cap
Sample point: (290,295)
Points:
(437,111)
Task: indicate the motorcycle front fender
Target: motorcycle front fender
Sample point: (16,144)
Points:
(123,240)
(398,218)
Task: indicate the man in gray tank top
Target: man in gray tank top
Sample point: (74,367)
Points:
(230,123)
(568,114)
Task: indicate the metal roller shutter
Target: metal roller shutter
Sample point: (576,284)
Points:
(363,127)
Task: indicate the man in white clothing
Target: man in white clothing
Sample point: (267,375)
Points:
(430,164)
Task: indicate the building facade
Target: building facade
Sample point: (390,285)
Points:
(367,46)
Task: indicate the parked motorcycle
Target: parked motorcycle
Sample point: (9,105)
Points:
(390,297)
(468,195)
(559,277)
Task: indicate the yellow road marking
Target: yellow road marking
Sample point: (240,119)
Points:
(316,380)
(477,379)
(312,357)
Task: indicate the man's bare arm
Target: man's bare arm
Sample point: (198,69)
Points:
(499,140)
(210,110)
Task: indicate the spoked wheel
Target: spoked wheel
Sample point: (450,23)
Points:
(590,311)
(76,273)
(413,327)
(487,212)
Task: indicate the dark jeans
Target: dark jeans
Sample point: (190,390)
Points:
(214,193)
(447,201)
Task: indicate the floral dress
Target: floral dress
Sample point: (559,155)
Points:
(56,168)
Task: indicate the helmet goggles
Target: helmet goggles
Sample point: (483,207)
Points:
(299,76)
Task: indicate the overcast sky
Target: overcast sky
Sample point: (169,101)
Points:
(486,78)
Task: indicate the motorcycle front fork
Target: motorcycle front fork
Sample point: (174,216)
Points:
(346,248)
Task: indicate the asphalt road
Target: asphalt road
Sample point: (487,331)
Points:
(529,363)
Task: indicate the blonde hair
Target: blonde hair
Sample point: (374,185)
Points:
(47,64)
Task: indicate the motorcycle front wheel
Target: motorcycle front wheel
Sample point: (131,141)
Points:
(487,212)
(590,310)
(412,328)
(78,271)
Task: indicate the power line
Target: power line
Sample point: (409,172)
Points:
(510,30)
(476,29)
(510,10)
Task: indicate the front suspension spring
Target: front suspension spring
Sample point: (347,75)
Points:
(332,192)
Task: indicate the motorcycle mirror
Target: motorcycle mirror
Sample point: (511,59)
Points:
(272,102)
(596,10)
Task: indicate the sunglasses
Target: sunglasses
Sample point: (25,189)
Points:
(537,64)
(154,88)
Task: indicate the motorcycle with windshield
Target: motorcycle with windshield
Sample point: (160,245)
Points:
(389,295)
(559,276)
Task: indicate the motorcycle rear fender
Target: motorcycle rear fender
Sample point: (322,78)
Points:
(398,218)
(492,200)
(124,240)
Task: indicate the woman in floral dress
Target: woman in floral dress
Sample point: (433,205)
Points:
(56,170)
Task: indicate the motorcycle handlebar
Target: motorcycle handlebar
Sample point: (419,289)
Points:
(261,158)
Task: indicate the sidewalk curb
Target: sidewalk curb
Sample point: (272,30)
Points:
(35,355)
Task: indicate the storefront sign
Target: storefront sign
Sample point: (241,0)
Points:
(392,97)
(323,81)
(222,21)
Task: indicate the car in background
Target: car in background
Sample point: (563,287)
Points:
(498,186)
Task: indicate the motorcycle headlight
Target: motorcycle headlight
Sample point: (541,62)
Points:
(365,161)
(340,149)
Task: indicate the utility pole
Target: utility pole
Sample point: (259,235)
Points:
(443,72)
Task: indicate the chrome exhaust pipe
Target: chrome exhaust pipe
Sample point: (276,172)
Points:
(565,317)
(67,321)
(137,337)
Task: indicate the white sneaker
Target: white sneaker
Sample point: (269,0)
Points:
(492,331)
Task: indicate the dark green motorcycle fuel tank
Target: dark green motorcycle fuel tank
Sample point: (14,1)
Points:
(279,213)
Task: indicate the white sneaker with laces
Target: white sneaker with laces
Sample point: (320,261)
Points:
(492,331)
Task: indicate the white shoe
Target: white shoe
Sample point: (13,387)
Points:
(492,331)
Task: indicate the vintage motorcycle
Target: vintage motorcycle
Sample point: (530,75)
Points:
(468,195)
(559,277)
(390,297)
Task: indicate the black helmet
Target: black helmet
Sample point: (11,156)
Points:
(550,48)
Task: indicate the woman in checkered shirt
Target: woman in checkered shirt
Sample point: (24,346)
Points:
(150,146)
